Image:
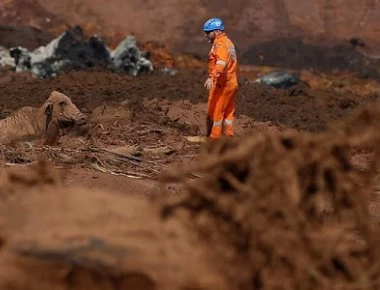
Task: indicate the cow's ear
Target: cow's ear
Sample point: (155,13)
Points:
(48,109)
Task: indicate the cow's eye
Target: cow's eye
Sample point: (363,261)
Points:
(62,103)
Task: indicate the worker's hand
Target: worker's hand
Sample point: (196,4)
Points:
(209,83)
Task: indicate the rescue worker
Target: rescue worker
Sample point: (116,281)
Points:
(222,80)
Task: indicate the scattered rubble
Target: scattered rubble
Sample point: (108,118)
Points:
(72,51)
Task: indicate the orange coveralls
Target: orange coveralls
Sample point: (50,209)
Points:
(222,67)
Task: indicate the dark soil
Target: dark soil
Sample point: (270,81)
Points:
(296,53)
(25,36)
(300,108)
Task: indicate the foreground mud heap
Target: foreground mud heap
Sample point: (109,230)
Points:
(288,211)
(283,211)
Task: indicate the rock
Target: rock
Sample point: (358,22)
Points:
(82,54)
(243,81)
(5,57)
(279,80)
(72,51)
(168,71)
(126,57)
(355,41)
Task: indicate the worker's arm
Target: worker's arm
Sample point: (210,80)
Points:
(221,53)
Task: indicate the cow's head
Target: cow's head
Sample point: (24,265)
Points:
(60,110)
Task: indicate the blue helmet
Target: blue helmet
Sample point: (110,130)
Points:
(213,24)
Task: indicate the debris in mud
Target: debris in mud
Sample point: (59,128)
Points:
(279,80)
(72,51)
(168,71)
(116,140)
(355,41)
(196,139)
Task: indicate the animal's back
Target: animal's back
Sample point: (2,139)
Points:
(21,126)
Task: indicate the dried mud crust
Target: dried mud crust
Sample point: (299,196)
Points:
(287,210)
(301,108)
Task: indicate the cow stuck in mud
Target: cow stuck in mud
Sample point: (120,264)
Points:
(46,123)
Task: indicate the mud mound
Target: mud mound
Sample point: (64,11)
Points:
(288,211)
(71,238)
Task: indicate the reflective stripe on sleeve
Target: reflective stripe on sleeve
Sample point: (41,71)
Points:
(221,62)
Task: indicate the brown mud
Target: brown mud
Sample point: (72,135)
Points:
(240,223)
(301,108)
(136,200)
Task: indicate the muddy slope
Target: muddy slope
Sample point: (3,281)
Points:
(248,22)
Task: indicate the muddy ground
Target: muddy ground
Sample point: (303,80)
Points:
(98,217)
(133,200)
(329,97)
(234,213)
(151,116)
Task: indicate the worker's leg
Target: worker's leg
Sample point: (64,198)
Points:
(229,112)
(215,113)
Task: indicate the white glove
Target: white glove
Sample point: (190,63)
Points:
(209,83)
